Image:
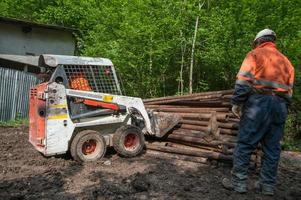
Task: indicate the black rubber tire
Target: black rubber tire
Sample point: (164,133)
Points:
(119,141)
(76,147)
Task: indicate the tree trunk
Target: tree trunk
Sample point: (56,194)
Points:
(193,47)
(183,50)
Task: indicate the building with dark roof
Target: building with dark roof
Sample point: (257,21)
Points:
(21,37)
(21,43)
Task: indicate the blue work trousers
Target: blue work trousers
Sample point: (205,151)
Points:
(262,121)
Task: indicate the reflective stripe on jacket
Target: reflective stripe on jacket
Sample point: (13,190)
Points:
(266,68)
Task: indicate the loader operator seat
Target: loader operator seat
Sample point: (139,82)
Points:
(79,82)
(86,107)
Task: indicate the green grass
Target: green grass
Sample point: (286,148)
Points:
(14,123)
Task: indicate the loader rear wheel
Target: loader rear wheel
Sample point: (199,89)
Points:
(88,145)
(128,141)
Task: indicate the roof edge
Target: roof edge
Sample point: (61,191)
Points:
(35,24)
(27,60)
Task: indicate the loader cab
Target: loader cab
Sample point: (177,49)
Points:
(99,72)
(84,74)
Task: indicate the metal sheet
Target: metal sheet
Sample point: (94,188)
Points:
(14,93)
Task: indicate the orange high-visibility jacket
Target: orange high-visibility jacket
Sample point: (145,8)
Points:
(266,68)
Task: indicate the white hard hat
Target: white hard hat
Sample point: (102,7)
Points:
(265,32)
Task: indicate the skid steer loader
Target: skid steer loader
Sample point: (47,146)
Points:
(80,109)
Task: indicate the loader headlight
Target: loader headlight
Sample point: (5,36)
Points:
(108,98)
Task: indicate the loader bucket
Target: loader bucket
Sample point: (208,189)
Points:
(164,122)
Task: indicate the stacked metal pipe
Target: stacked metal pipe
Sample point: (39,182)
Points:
(207,130)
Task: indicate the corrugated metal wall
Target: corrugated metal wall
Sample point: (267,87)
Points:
(14,93)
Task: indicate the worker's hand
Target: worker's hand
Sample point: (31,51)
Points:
(236,109)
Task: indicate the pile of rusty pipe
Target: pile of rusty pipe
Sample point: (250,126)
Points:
(235,120)
(160,154)
(227,96)
(195,122)
(165,106)
(199,104)
(219,116)
(193,127)
(187,132)
(227,125)
(220,148)
(180,101)
(228,131)
(202,141)
(207,125)
(191,110)
(202,134)
(223,131)
(180,144)
(196,153)
(190,96)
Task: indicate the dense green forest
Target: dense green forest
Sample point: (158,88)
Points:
(151,41)
(147,40)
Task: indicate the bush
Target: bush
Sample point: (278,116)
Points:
(292,132)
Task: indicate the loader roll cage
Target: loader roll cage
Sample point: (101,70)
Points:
(82,73)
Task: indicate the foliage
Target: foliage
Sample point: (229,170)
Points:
(292,136)
(291,145)
(144,38)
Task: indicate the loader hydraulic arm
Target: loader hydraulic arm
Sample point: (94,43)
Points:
(102,104)
(127,102)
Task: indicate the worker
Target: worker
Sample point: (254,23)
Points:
(263,91)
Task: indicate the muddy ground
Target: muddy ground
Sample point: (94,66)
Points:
(26,174)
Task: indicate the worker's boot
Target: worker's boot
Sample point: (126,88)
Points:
(236,186)
(264,189)
(238,181)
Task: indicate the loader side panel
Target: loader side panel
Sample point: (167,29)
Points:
(59,126)
(37,114)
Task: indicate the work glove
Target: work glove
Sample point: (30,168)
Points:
(236,110)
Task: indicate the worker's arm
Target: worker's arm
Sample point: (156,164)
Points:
(244,81)
(291,80)
(288,96)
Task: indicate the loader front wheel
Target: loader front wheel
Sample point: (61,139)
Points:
(88,145)
(128,141)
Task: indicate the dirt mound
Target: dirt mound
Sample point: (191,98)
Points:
(26,174)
